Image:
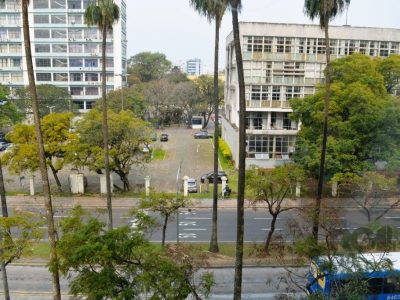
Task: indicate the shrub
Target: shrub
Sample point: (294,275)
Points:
(224,148)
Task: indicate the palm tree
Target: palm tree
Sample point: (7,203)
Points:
(214,9)
(235,6)
(42,159)
(325,10)
(104,13)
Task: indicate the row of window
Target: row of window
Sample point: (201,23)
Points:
(85,91)
(72,48)
(10,48)
(90,33)
(7,34)
(10,4)
(58,19)
(11,77)
(76,77)
(275,92)
(270,145)
(72,62)
(269,120)
(317,46)
(10,19)
(10,63)
(61,4)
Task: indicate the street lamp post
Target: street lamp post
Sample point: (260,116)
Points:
(177,192)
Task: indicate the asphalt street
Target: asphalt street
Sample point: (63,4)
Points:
(34,282)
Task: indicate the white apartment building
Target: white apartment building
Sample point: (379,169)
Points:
(194,67)
(66,52)
(283,61)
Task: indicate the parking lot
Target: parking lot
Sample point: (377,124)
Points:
(196,156)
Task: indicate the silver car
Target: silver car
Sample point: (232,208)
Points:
(192,185)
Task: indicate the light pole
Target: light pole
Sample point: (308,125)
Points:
(51,108)
(177,192)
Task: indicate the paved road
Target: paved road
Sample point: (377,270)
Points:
(34,282)
(196,156)
(195,223)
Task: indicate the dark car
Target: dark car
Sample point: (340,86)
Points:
(210,176)
(164,137)
(202,135)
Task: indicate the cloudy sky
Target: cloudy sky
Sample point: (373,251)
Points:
(175,29)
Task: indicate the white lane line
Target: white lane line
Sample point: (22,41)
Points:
(268,229)
(198,146)
(188,236)
(265,218)
(125,217)
(346,228)
(60,216)
(187,223)
(198,229)
(197,218)
(391,217)
(42,227)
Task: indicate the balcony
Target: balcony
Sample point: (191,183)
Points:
(267,104)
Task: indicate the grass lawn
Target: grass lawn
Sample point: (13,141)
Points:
(159,154)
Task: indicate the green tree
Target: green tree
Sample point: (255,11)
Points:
(121,264)
(186,96)
(325,11)
(57,140)
(206,106)
(104,14)
(128,137)
(274,187)
(51,99)
(235,6)
(42,159)
(8,116)
(364,121)
(147,66)
(167,205)
(390,69)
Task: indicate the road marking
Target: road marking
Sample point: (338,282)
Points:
(198,146)
(346,228)
(187,213)
(188,236)
(265,218)
(42,227)
(197,218)
(391,217)
(268,229)
(198,229)
(187,223)
(60,216)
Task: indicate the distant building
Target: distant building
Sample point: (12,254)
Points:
(284,61)
(194,67)
(66,52)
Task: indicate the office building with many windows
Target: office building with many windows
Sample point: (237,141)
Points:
(66,52)
(194,67)
(283,61)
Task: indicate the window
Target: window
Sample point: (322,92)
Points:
(256,92)
(91,77)
(41,19)
(258,44)
(257,121)
(3,19)
(14,19)
(41,4)
(60,62)
(42,33)
(363,47)
(80,104)
(75,19)
(16,62)
(276,93)
(92,91)
(284,144)
(109,48)
(14,33)
(58,19)
(17,77)
(3,48)
(59,48)
(394,48)
(280,44)
(321,46)
(4,76)
(90,33)
(42,48)
(15,48)
(74,4)
(75,62)
(90,104)
(60,76)
(3,34)
(310,46)
(91,63)
(43,62)
(3,62)
(57,4)
(75,33)
(267,44)
(76,91)
(59,34)
(76,77)
(287,123)
(384,49)
(43,76)
(91,49)
(259,144)
(75,48)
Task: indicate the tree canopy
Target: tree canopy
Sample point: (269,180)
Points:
(148,66)
(364,120)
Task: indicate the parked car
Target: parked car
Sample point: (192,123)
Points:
(154,137)
(164,137)
(146,149)
(4,145)
(192,185)
(202,135)
(210,176)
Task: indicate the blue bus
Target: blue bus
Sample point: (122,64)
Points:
(381,271)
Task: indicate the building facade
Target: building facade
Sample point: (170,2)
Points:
(284,61)
(194,67)
(65,51)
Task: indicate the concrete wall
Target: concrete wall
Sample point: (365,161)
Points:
(231,137)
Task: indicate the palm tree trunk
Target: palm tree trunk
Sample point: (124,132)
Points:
(214,229)
(321,174)
(42,159)
(242,155)
(4,212)
(105,128)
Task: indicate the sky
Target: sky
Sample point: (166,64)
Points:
(174,28)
